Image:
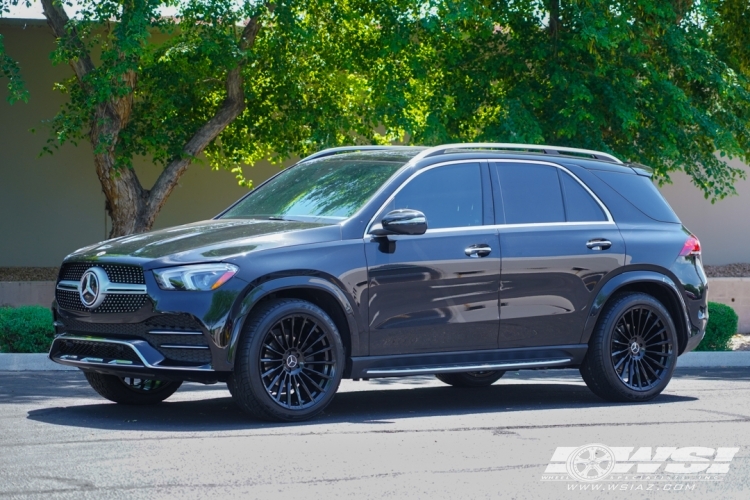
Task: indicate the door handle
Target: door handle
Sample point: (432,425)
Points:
(476,251)
(598,244)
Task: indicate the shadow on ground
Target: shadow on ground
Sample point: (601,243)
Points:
(367,406)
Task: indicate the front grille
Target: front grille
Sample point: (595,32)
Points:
(113,303)
(167,322)
(94,349)
(117,273)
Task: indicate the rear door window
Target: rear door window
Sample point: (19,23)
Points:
(580,206)
(529,194)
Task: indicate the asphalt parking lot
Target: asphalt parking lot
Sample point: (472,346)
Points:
(388,438)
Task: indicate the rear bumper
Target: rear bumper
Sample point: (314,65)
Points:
(126,358)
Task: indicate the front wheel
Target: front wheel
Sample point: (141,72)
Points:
(471,379)
(633,350)
(289,362)
(131,390)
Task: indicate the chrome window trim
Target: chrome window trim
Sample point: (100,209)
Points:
(610,221)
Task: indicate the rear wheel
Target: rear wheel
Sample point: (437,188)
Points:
(289,362)
(131,390)
(471,379)
(633,350)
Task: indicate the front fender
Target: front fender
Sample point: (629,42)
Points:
(616,283)
(257,293)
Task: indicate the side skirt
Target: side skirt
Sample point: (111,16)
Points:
(468,361)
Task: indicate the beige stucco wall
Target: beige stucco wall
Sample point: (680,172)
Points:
(50,206)
(723,227)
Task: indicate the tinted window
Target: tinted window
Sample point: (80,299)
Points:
(449,196)
(641,192)
(530,193)
(319,188)
(579,205)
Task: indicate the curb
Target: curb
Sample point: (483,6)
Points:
(726,359)
(29,362)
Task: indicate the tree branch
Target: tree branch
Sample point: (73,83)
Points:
(231,108)
(57,19)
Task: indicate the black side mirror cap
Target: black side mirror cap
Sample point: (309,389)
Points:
(403,221)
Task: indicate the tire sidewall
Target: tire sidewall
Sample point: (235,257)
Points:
(249,365)
(619,308)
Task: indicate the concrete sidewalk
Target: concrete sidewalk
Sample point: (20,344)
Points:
(728,359)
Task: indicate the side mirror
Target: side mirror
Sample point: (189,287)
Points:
(404,221)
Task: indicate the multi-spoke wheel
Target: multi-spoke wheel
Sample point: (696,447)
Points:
(633,350)
(131,390)
(471,379)
(289,361)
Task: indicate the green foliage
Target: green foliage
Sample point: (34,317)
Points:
(663,83)
(9,69)
(655,82)
(26,329)
(722,325)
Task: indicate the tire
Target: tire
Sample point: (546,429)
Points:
(471,379)
(633,350)
(131,390)
(289,362)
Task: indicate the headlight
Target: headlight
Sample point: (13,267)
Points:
(200,277)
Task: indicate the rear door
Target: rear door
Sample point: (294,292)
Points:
(437,291)
(558,241)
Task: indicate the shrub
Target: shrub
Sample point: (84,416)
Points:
(26,329)
(722,325)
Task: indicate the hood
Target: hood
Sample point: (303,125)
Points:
(212,240)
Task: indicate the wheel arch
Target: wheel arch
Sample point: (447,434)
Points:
(315,289)
(654,283)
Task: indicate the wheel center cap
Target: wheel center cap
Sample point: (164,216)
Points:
(635,348)
(291,361)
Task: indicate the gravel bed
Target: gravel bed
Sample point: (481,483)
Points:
(28,273)
(728,271)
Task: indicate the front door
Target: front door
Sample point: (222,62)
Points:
(558,241)
(437,291)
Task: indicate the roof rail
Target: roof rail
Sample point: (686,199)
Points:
(548,150)
(346,149)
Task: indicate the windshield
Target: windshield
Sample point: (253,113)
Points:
(317,190)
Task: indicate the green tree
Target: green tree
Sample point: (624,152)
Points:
(663,83)
(233,81)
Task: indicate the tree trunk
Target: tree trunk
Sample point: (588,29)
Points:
(132,208)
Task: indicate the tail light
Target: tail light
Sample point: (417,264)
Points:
(691,247)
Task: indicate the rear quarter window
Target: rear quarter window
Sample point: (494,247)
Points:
(641,192)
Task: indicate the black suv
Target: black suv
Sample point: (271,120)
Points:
(462,261)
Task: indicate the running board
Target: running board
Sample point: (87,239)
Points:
(468,361)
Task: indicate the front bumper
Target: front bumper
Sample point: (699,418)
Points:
(126,358)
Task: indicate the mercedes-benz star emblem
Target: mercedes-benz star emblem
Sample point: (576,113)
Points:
(91,287)
(291,361)
(634,348)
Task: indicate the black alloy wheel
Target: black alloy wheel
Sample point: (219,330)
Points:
(297,361)
(471,379)
(131,390)
(641,348)
(633,349)
(289,362)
